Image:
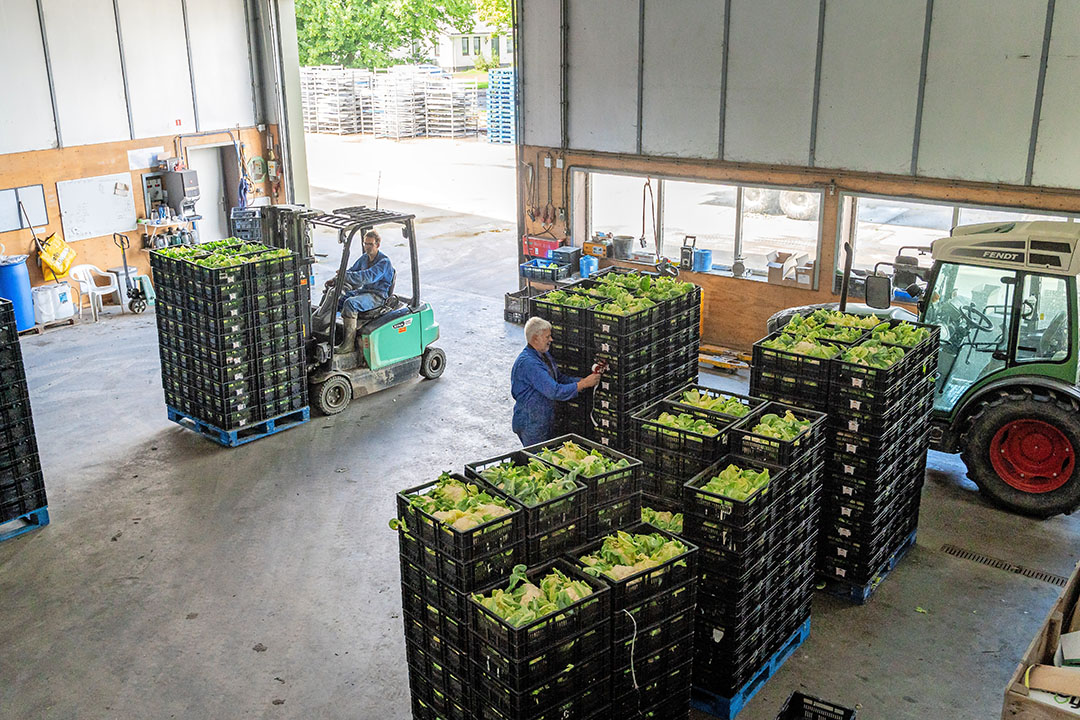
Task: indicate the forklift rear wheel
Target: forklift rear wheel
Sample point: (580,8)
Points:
(1020,450)
(433,363)
(333,395)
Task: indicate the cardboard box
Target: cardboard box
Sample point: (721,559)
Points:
(781,266)
(804,275)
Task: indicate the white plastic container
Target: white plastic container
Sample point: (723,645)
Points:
(53,302)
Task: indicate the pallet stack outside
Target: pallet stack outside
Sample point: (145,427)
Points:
(649,354)
(876,443)
(22,485)
(440,568)
(613,498)
(501,126)
(757,559)
(231,338)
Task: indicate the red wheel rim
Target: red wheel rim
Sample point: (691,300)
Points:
(1032,456)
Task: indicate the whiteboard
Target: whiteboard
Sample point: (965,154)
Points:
(92,207)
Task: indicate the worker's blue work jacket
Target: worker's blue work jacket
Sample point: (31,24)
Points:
(368,276)
(535,384)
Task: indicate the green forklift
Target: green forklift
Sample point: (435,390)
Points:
(1005,298)
(394,342)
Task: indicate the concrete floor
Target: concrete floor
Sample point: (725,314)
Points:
(179,579)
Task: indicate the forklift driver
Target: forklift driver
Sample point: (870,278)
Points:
(367,284)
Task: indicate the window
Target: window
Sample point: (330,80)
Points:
(785,222)
(509,44)
(883,226)
(1043,334)
(615,205)
(971,216)
(495,46)
(476,45)
(705,211)
(464,46)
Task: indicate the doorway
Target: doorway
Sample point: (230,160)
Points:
(211,206)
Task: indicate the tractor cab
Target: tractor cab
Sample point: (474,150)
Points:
(393,341)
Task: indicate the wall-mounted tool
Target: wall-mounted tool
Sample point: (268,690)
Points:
(181,190)
(548,215)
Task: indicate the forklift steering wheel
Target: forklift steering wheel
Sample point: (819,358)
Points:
(976,318)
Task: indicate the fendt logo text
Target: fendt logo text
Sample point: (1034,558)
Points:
(998,255)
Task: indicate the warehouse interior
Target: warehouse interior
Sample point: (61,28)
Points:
(175,575)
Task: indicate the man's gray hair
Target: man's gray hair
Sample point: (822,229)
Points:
(534,327)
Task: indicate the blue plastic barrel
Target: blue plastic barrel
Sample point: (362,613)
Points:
(588,265)
(15,286)
(702,260)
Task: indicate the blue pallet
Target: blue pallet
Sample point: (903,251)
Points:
(728,707)
(24,523)
(860,594)
(251,433)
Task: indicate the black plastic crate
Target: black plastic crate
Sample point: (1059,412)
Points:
(607,323)
(615,438)
(416,578)
(615,344)
(685,442)
(641,586)
(463,576)
(650,665)
(520,675)
(606,518)
(441,704)
(671,688)
(620,365)
(544,516)
(574,679)
(519,303)
(570,357)
(805,707)
(447,624)
(789,363)
(670,462)
(754,538)
(604,487)
(663,607)
(530,641)
(868,379)
(621,382)
(614,400)
(18,507)
(590,704)
(553,543)
(11,366)
(661,484)
(751,403)
(441,678)
(773,450)
(564,316)
(728,511)
(769,385)
(466,545)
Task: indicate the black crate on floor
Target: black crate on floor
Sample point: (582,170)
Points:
(805,707)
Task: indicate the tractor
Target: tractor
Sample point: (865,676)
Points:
(1006,396)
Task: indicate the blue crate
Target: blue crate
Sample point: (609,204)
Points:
(727,708)
(24,523)
(251,433)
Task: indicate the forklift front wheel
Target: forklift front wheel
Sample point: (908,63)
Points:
(333,394)
(433,363)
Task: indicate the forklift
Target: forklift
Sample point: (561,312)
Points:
(1006,395)
(393,341)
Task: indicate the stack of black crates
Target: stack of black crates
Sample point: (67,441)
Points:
(22,486)
(231,339)
(880,422)
(440,568)
(613,499)
(875,448)
(757,556)
(649,354)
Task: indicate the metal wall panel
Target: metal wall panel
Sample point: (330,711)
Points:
(603,77)
(26,113)
(1057,153)
(540,43)
(981,77)
(770,81)
(219,56)
(683,58)
(85,55)
(869,85)
(155,55)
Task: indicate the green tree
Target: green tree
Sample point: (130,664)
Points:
(365,33)
(497,13)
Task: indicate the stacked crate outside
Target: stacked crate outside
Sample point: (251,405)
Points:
(558,666)
(551,527)
(880,423)
(612,498)
(231,338)
(440,567)
(757,558)
(652,624)
(501,126)
(22,485)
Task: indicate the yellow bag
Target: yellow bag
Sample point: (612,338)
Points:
(55,254)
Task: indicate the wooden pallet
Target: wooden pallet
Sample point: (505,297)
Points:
(241,436)
(42,327)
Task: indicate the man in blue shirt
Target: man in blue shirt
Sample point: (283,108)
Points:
(536,384)
(367,284)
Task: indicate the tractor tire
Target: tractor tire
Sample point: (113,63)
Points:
(800,205)
(332,395)
(761,200)
(433,363)
(1020,449)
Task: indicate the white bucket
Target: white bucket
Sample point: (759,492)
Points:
(52,302)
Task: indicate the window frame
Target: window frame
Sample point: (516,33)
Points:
(465,46)
(1070,317)
(476,46)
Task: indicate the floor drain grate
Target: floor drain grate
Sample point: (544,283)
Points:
(1007,566)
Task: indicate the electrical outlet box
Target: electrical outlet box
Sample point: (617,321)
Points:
(558,163)
(547,162)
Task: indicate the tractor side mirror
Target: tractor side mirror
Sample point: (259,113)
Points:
(878,291)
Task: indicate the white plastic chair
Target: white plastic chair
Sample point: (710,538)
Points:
(87,277)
